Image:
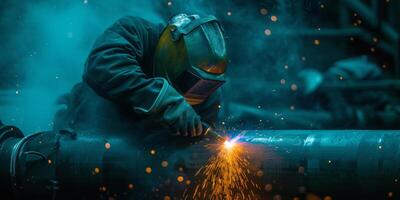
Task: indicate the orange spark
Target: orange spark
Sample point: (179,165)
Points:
(226,175)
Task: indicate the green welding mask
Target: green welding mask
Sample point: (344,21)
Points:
(191,55)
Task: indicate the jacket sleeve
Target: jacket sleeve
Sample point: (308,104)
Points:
(113,69)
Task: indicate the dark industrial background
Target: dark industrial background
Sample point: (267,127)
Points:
(294,64)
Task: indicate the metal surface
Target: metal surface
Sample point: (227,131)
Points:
(64,165)
(343,164)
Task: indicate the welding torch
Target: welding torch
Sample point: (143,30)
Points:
(210,132)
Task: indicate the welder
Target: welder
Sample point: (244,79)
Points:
(142,76)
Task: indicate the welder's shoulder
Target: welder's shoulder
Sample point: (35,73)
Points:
(138,24)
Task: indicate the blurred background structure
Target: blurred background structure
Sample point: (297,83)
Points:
(294,64)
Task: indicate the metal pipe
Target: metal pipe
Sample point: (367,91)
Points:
(346,164)
(341,164)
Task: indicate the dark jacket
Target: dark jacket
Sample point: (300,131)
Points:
(118,92)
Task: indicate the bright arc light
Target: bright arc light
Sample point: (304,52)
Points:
(228,144)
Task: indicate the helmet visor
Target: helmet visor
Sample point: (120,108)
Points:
(214,69)
(194,87)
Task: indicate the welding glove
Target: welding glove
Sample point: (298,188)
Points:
(171,109)
(183,119)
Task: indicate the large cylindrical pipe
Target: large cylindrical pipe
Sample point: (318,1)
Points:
(9,136)
(346,164)
(65,165)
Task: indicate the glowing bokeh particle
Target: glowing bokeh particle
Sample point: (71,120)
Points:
(277,197)
(102,189)
(148,170)
(390,194)
(267,32)
(327,198)
(167,198)
(260,173)
(293,87)
(107,145)
(286,66)
(263,11)
(164,163)
(268,187)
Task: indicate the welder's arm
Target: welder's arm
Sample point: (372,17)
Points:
(113,71)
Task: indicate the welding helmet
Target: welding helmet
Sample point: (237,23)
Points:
(191,55)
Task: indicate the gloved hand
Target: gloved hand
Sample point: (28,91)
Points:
(183,120)
(171,109)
